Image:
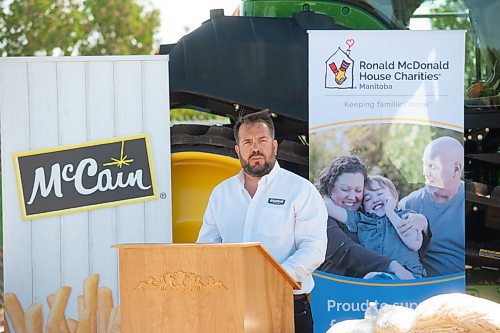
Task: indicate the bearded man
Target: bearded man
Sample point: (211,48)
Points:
(270,205)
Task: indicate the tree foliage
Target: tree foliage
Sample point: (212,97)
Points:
(458,23)
(391,150)
(75,27)
(184,114)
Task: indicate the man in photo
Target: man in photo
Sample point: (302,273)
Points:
(442,202)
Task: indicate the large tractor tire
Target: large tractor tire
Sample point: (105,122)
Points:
(202,157)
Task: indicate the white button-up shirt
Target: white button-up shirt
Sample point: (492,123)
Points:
(286,215)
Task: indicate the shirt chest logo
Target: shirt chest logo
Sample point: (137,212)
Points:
(276,201)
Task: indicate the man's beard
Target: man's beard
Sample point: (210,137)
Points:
(258,170)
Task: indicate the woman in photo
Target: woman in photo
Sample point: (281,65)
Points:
(343,182)
(378,226)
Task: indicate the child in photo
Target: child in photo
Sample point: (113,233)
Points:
(377,226)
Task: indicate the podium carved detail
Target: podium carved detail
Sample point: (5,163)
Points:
(181,281)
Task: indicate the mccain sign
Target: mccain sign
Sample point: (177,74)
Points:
(82,177)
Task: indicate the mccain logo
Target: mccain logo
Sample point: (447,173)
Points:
(86,176)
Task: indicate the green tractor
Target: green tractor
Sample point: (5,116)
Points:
(233,65)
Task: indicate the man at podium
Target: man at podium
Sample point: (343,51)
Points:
(270,205)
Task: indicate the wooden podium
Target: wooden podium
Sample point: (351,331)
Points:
(203,288)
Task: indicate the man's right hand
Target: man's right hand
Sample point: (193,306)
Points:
(401,272)
(413,221)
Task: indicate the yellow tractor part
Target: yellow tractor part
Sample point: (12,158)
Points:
(194,175)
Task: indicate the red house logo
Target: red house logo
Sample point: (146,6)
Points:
(339,68)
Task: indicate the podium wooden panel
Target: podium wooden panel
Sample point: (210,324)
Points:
(203,288)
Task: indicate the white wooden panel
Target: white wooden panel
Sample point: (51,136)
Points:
(100,100)
(128,120)
(101,125)
(71,101)
(74,227)
(46,233)
(15,138)
(157,124)
(128,98)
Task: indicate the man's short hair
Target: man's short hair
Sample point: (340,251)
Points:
(263,116)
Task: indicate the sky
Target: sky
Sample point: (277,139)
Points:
(182,16)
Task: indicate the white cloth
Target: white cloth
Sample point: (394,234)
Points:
(286,215)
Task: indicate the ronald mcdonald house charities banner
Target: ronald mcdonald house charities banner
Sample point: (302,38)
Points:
(386,152)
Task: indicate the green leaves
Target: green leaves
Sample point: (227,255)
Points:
(73,27)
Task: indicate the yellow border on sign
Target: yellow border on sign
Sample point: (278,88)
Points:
(20,192)
(416,120)
(407,284)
